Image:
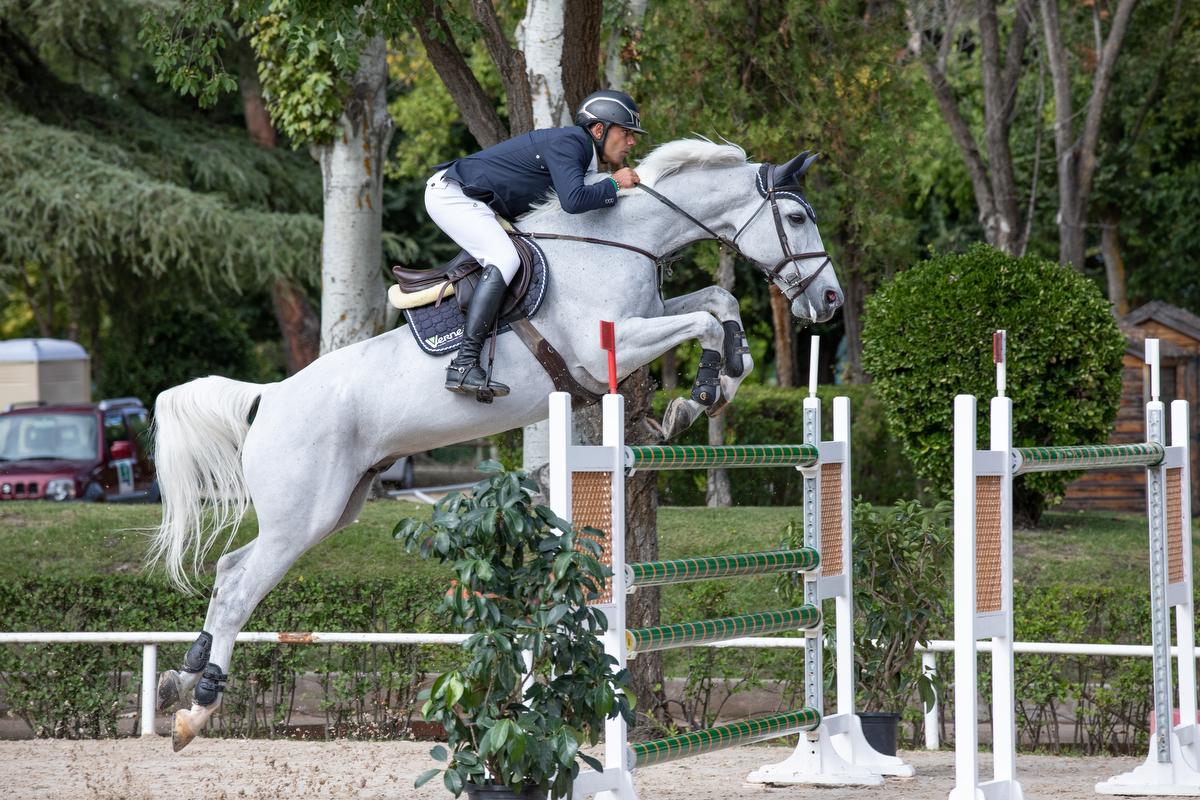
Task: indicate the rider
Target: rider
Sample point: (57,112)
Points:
(464,197)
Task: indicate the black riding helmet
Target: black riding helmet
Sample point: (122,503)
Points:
(609,107)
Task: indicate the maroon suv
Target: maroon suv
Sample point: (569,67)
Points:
(90,451)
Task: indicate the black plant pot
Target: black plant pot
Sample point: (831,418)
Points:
(879,729)
(498,791)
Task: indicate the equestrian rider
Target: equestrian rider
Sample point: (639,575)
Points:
(464,197)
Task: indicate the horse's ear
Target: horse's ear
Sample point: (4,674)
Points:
(784,172)
(808,162)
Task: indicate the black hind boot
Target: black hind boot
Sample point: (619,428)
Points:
(464,375)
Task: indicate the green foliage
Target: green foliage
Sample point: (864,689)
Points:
(772,415)
(903,554)
(78,691)
(1109,695)
(69,199)
(167,339)
(299,73)
(927,337)
(524,579)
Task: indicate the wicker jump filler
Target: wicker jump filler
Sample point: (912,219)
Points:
(587,487)
(983,585)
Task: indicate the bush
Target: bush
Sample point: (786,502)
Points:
(81,690)
(771,415)
(927,337)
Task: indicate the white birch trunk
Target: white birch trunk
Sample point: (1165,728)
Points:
(628,29)
(353,291)
(540,35)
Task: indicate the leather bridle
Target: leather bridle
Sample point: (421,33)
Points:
(796,283)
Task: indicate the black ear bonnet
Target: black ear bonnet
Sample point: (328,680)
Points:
(783,180)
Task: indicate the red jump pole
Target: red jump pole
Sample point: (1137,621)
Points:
(608,341)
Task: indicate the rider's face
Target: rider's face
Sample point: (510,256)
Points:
(619,143)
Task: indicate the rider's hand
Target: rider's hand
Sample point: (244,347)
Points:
(626,178)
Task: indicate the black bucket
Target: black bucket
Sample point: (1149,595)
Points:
(496,791)
(879,729)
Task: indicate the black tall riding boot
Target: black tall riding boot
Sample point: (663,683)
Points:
(464,375)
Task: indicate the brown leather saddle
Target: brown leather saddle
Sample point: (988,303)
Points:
(463,272)
(437,326)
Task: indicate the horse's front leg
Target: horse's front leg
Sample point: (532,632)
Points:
(640,340)
(735,354)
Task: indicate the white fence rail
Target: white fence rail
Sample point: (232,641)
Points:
(151,639)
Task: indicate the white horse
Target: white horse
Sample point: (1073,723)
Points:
(307,459)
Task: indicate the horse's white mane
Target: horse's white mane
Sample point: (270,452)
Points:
(663,161)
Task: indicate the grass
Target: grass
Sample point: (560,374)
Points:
(81,539)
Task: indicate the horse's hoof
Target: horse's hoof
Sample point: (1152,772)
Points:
(170,689)
(183,731)
(680,414)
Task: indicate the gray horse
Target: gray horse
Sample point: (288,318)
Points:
(308,458)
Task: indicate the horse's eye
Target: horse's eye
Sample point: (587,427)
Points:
(797,219)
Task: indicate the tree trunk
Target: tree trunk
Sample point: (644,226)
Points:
(670,370)
(622,42)
(854,292)
(299,326)
(1076,154)
(510,63)
(478,110)
(1114,264)
(353,291)
(541,37)
(719,494)
(580,61)
(641,543)
(781,321)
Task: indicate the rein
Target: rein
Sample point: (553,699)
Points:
(797,284)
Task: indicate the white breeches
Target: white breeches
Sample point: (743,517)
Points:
(471,224)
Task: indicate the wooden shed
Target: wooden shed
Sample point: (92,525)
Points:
(1179,334)
(44,371)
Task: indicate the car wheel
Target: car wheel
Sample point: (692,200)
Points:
(155,494)
(94,493)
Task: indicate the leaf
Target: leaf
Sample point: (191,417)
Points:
(425,777)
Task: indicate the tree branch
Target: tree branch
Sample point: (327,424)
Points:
(960,131)
(997,97)
(478,110)
(1152,95)
(510,63)
(1100,87)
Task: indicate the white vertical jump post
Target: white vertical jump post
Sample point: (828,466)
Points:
(587,488)
(1173,764)
(983,593)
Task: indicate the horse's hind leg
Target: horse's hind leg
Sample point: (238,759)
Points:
(283,538)
(174,686)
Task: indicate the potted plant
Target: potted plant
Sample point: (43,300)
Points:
(538,685)
(902,575)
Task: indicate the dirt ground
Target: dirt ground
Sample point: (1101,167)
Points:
(215,769)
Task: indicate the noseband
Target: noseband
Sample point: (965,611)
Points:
(796,283)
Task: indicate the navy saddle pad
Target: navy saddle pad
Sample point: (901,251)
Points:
(440,330)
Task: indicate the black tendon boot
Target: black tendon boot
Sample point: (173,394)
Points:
(464,375)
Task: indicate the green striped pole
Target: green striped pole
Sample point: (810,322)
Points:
(673,748)
(1086,456)
(685,570)
(684,634)
(661,457)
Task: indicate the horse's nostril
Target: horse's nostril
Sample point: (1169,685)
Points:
(833,298)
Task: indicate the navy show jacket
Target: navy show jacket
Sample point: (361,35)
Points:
(513,175)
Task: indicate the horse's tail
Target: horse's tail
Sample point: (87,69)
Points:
(199,430)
